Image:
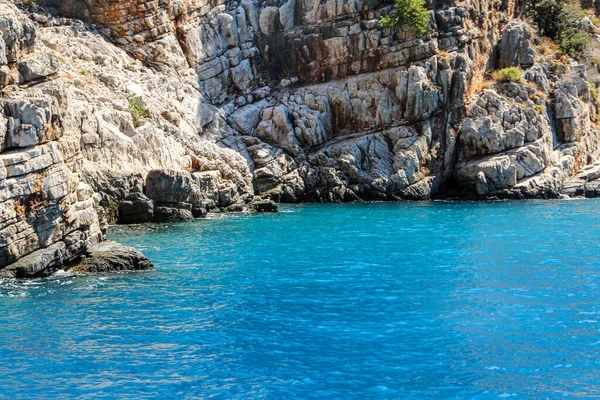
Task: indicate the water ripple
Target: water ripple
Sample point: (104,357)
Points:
(409,300)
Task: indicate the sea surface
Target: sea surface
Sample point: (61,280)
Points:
(362,301)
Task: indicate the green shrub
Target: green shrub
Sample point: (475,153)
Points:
(561,21)
(137,109)
(547,17)
(407,12)
(575,45)
(511,74)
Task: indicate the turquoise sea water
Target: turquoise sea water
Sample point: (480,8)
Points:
(368,301)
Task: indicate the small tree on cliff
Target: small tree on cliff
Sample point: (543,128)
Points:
(561,21)
(407,12)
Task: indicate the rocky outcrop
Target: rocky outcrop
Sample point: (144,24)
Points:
(109,256)
(320,101)
(516,46)
(47,213)
(520,141)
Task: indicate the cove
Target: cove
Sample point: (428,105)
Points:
(384,300)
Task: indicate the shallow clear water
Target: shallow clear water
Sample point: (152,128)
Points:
(408,300)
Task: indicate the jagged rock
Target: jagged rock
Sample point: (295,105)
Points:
(264,206)
(584,184)
(572,117)
(38,67)
(516,47)
(287,14)
(247,118)
(136,209)
(242,75)
(169,186)
(228,196)
(208,182)
(494,125)
(269,20)
(29,122)
(3,58)
(110,256)
(489,175)
(537,75)
(40,263)
(507,145)
(17,31)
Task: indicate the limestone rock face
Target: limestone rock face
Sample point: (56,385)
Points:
(512,146)
(516,46)
(18,34)
(293,100)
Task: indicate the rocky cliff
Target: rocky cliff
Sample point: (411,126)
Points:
(160,110)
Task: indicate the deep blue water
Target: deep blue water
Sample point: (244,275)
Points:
(408,300)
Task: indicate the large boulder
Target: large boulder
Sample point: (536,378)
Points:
(40,66)
(494,125)
(136,209)
(172,187)
(39,263)
(109,256)
(29,122)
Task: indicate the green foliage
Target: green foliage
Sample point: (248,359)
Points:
(407,12)
(30,2)
(511,74)
(560,21)
(137,109)
(575,45)
(547,17)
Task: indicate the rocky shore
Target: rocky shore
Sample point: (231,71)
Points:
(159,111)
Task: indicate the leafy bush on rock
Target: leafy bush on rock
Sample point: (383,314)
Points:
(562,22)
(511,74)
(407,12)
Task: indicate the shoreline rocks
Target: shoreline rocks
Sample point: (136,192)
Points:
(104,257)
(109,256)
